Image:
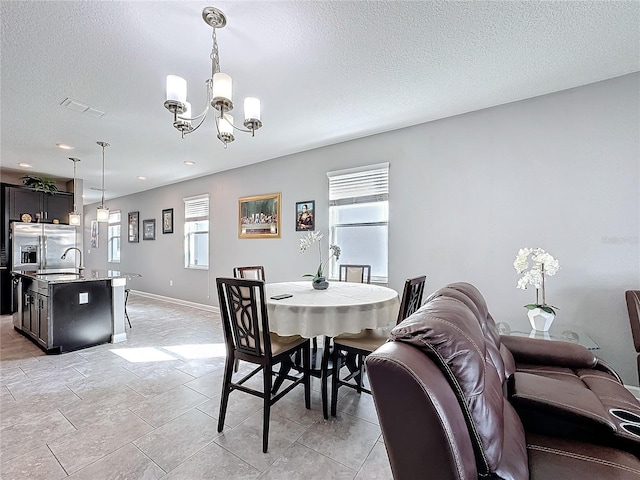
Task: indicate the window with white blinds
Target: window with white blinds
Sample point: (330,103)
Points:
(196,232)
(359,218)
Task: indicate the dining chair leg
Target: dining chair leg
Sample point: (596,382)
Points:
(226,390)
(359,366)
(335,356)
(323,377)
(285,368)
(267,407)
(306,366)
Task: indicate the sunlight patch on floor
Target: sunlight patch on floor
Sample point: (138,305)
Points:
(144,354)
(199,350)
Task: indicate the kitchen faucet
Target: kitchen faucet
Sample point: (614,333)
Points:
(64,255)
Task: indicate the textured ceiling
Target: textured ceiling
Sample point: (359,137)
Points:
(325,72)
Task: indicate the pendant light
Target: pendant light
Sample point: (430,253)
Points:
(103,212)
(74,217)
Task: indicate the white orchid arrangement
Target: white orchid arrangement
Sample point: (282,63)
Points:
(543,264)
(315,237)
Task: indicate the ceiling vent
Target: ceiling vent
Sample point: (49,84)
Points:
(77,106)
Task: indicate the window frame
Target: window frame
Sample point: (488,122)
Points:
(111,238)
(195,214)
(361,185)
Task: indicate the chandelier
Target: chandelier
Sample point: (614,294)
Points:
(103,212)
(219,95)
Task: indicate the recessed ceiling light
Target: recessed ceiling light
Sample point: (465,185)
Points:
(25,165)
(140,177)
(64,146)
(189,162)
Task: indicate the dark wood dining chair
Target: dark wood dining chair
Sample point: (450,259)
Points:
(250,273)
(352,350)
(243,309)
(355,273)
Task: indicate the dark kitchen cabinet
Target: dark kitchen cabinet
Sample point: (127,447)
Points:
(38,204)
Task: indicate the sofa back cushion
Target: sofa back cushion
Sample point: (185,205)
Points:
(473,299)
(448,331)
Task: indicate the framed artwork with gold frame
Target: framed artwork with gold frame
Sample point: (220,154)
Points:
(259,216)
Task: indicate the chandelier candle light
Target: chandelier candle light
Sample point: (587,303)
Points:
(319,281)
(219,94)
(540,315)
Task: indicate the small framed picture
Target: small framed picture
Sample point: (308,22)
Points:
(134,227)
(149,229)
(305,215)
(167,220)
(95,233)
(259,216)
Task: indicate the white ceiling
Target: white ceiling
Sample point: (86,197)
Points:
(325,72)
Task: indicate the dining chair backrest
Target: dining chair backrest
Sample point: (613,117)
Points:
(411,297)
(355,273)
(244,317)
(251,273)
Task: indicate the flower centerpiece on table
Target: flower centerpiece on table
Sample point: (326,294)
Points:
(319,281)
(540,313)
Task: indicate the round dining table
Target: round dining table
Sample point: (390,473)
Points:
(342,308)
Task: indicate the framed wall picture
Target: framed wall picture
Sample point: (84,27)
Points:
(149,229)
(95,234)
(167,220)
(259,216)
(134,226)
(305,216)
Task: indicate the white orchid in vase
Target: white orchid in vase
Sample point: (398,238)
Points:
(315,237)
(543,264)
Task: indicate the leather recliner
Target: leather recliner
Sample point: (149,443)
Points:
(439,393)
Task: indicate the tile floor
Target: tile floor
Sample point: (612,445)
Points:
(148,408)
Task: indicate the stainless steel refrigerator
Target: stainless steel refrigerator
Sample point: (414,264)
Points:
(39,246)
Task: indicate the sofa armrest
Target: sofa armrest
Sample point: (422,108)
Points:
(548,352)
(559,399)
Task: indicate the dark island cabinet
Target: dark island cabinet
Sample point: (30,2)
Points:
(45,206)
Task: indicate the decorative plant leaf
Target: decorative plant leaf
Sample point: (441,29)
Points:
(544,308)
(39,184)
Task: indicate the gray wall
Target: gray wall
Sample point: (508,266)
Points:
(561,171)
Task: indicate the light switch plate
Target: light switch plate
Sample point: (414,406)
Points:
(83,298)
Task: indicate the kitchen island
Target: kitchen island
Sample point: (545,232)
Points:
(65,310)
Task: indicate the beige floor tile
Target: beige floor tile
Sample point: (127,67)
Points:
(37,464)
(126,463)
(168,405)
(343,438)
(301,463)
(177,440)
(77,450)
(376,466)
(213,463)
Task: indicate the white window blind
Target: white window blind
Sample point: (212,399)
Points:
(196,208)
(361,185)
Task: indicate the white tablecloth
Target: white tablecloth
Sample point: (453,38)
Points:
(342,308)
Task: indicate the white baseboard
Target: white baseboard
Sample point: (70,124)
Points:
(177,301)
(634,390)
(119,337)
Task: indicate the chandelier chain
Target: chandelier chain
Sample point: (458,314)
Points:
(215,55)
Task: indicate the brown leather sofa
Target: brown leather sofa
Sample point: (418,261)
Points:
(444,387)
